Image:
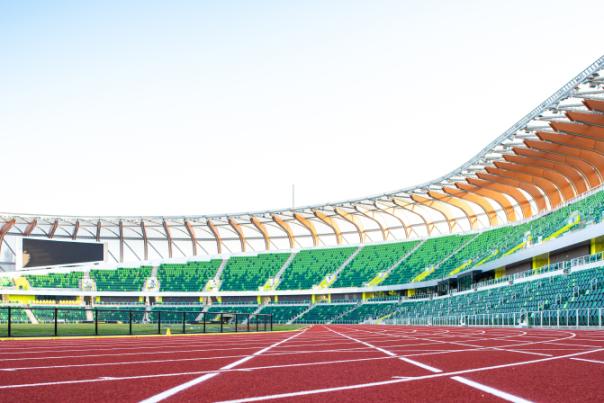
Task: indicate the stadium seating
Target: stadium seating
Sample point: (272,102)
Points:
(123,279)
(368,311)
(370,261)
(485,246)
(324,313)
(191,276)
(63,314)
(283,313)
(174,314)
(245,309)
(17,315)
(582,289)
(55,280)
(120,314)
(250,272)
(310,266)
(430,253)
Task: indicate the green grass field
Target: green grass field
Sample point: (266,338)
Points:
(123,329)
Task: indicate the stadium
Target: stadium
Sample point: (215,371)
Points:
(493,269)
(317,201)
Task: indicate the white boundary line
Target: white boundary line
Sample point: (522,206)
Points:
(177,389)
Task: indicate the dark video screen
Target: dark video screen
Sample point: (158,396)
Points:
(43,252)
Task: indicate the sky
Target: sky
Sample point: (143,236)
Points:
(209,107)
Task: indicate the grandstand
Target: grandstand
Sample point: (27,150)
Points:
(514,233)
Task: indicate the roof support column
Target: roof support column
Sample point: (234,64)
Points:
(30,227)
(216,236)
(76,228)
(4,230)
(53,229)
(309,226)
(351,218)
(235,225)
(285,226)
(145,240)
(330,222)
(191,232)
(262,229)
(168,233)
(121,232)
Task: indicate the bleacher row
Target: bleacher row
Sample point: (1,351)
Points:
(405,262)
(581,291)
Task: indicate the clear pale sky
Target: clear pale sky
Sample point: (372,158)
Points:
(174,107)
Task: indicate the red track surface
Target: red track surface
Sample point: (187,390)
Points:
(343,363)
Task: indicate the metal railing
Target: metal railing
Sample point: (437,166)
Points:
(37,321)
(561,318)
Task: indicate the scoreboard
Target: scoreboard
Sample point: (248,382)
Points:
(33,253)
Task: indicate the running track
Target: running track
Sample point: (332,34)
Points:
(336,363)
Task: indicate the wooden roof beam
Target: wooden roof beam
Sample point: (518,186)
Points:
(564,186)
(237,227)
(217,236)
(286,228)
(477,199)
(192,235)
(594,160)
(352,219)
(262,229)
(306,223)
(572,174)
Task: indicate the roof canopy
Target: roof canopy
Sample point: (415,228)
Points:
(548,158)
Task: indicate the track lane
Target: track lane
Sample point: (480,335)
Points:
(319,360)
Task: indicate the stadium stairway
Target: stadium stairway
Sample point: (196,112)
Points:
(288,262)
(348,312)
(301,314)
(382,276)
(284,313)
(437,272)
(217,277)
(333,277)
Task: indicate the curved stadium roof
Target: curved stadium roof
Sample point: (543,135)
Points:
(551,156)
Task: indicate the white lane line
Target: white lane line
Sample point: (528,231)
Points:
(402,380)
(177,389)
(586,360)
(465,381)
(390,353)
(357,386)
(167,347)
(419,364)
(495,392)
(60,357)
(483,348)
(282,351)
(213,358)
(525,352)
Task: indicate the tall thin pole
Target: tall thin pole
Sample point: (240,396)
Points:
(293,196)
